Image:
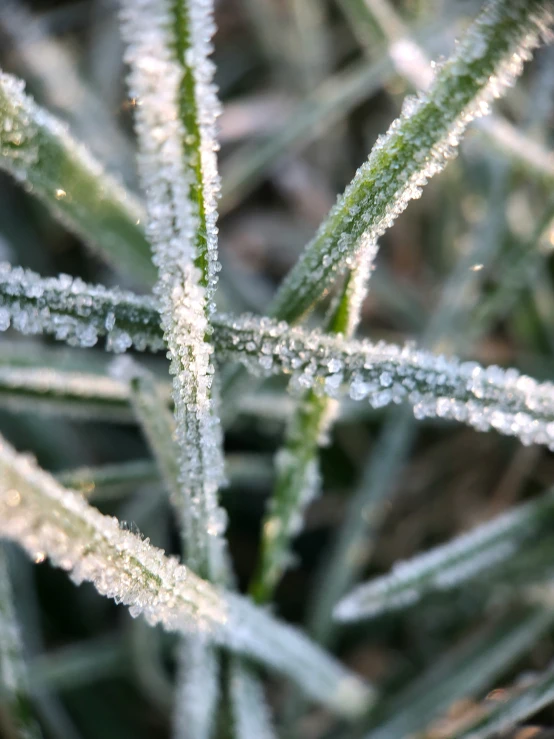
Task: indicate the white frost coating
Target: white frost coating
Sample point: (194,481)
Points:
(182,232)
(251,715)
(49,521)
(197,690)
(436,386)
(76,312)
(417,145)
(447,566)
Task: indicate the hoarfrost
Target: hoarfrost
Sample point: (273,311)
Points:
(50,521)
(178,168)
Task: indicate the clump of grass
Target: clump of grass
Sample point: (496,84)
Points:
(228,641)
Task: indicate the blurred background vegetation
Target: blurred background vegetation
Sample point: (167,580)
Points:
(307,86)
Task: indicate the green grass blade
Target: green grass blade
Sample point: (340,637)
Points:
(298,479)
(48,520)
(466,557)
(168,45)
(412,64)
(417,146)
(14,689)
(39,152)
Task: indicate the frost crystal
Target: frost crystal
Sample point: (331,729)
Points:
(48,520)
(168,44)
(77,313)
(417,145)
(447,566)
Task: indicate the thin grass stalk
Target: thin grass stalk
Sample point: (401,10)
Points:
(465,558)
(298,478)
(251,715)
(14,687)
(37,149)
(49,521)
(418,145)
(197,690)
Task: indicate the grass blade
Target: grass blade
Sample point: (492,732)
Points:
(464,558)
(250,711)
(38,151)
(298,478)
(168,45)
(48,520)
(14,690)
(418,145)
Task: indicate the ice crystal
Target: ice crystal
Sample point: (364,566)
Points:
(250,711)
(35,148)
(417,145)
(49,521)
(168,44)
(77,313)
(447,566)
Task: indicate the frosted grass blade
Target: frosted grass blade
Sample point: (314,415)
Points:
(412,64)
(197,692)
(14,688)
(49,63)
(382,374)
(39,152)
(86,396)
(298,478)
(355,540)
(251,716)
(418,145)
(464,558)
(49,521)
(168,44)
